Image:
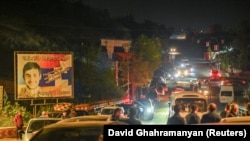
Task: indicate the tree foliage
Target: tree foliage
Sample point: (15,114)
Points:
(242,46)
(146,59)
(9,111)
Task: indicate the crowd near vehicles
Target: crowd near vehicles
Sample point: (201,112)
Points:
(35,124)
(186,99)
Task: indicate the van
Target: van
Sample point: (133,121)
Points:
(233,93)
(186,99)
(226,94)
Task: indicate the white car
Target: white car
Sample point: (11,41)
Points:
(35,124)
(237,120)
(74,131)
(87,118)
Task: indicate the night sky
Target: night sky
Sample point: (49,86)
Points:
(179,13)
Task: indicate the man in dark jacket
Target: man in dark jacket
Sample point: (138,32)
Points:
(211,115)
(133,120)
(176,119)
(192,117)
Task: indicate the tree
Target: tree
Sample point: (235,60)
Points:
(242,46)
(146,59)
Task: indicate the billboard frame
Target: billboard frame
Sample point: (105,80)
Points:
(56,75)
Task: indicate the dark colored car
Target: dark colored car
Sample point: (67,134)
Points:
(74,131)
(145,109)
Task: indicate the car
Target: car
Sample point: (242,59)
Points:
(215,74)
(214,82)
(182,72)
(88,118)
(204,89)
(35,124)
(74,131)
(58,114)
(242,119)
(186,99)
(109,110)
(145,108)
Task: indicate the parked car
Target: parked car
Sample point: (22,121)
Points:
(35,124)
(58,114)
(109,110)
(243,119)
(88,118)
(145,109)
(74,131)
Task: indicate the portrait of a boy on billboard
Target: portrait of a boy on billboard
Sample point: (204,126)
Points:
(44,75)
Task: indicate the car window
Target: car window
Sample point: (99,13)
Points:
(107,111)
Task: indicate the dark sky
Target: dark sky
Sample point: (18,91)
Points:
(179,13)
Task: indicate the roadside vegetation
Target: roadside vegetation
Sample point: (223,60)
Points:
(8,112)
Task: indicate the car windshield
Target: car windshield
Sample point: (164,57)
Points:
(187,102)
(38,124)
(69,134)
(144,102)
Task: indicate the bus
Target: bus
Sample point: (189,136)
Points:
(186,99)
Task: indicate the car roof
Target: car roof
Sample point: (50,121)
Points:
(87,118)
(45,119)
(84,124)
(189,94)
(243,119)
(112,107)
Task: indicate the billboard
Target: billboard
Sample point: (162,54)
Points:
(43,75)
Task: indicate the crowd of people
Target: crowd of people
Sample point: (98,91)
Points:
(211,116)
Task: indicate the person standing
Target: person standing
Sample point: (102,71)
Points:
(176,119)
(133,120)
(226,111)
(44,114)
(247,113)
(117,114)
(192,117)
(234,109)
(18,121)
(211,116)
(65,115)
(199,85)
(72,113)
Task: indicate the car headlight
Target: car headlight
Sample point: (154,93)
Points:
(206,92)
(149,110)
